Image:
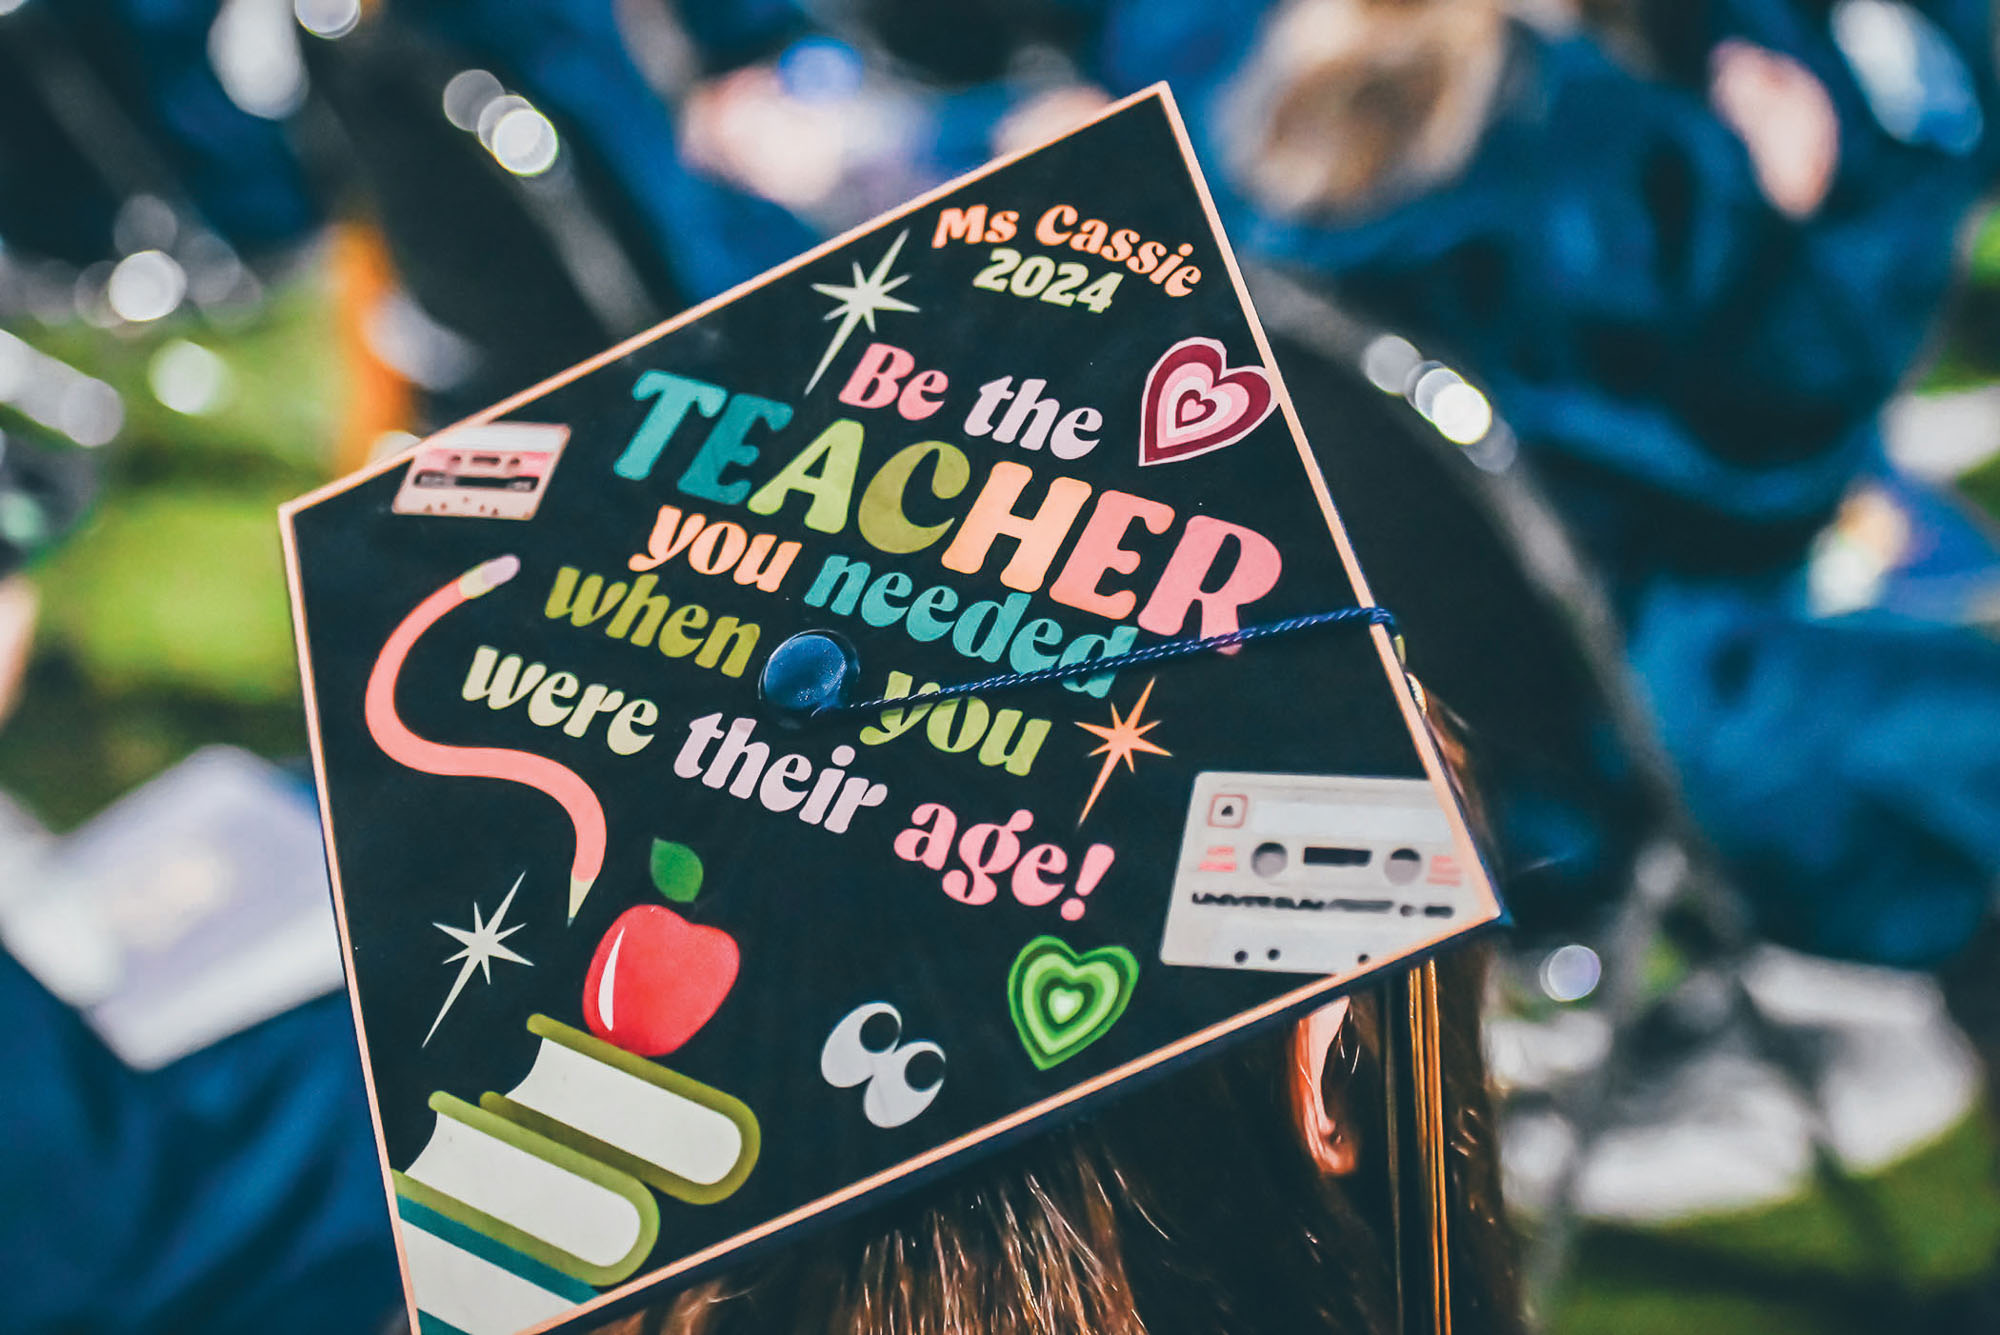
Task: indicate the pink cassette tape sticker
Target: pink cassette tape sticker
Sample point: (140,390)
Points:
(498,470)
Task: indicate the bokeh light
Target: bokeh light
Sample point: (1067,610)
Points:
(466,95)
(524,142)
(1571,972)
(1459,412)
(188,378)
(1388,361)
(147,285)
(821,69)
(330,19)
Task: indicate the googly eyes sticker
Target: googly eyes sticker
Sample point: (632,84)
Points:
(866,1048)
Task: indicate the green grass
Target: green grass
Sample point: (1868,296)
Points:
(176,593)
(279,413)
(1808,1264)
(1982,484)
(165,620)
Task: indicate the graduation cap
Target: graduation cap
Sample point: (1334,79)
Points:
(870,716)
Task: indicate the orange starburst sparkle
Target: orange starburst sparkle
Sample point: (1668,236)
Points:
(1122,740)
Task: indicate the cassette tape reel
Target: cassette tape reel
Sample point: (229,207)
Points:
(1305,873)
(497,470)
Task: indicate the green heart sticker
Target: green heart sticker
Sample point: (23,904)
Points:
(1061,1001)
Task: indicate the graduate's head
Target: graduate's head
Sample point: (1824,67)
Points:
(1247,1192)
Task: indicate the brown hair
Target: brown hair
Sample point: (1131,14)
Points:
(1347,104)
(1191,1206)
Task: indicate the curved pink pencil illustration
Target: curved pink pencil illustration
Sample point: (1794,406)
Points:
(481,762)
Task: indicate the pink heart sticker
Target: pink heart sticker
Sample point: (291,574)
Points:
(1194,404)
(1191,409)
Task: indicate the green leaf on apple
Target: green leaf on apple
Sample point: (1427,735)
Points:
(676,871)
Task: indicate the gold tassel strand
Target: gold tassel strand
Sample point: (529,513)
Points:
(1427,1092)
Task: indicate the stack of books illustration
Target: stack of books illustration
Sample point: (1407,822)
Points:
(520,1208)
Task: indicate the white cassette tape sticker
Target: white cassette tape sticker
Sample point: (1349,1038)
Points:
(497,470)
(1308,873)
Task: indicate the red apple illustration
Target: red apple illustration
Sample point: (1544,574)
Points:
(656,979)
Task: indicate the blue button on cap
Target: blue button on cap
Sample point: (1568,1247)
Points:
(811,671)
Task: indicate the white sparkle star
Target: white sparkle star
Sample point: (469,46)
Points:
(859,302)
(482,947)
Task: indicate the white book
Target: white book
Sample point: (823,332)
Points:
(690,1141)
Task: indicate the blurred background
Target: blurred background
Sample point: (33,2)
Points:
(1652,347)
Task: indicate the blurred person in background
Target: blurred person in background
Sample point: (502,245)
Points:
(234,1190)
(107,101)
(1691,250)
(536,139)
